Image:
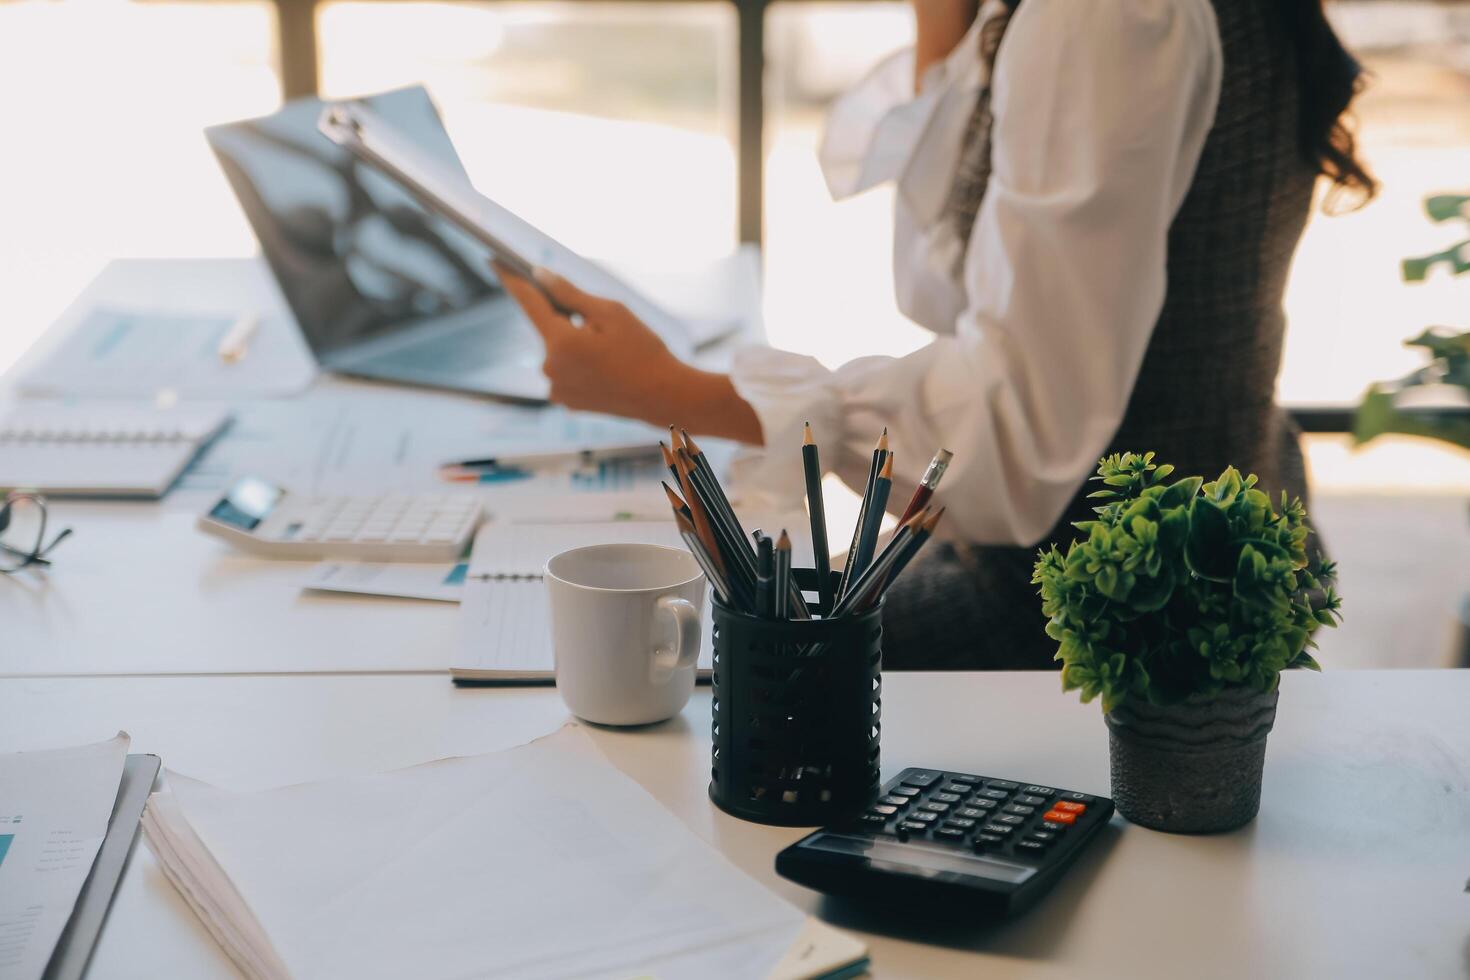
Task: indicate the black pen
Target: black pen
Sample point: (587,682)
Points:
(817,509)
(879,452)
(765,574)
(781,608)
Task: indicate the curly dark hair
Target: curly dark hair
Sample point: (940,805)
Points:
(1329,78)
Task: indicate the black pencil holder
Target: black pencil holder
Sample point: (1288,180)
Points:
(796,714)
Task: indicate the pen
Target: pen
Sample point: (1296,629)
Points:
(765,574)
(879,452)
(523,461)
(817,509)
(928,484)
(780,607)
(235,342)
(873,516)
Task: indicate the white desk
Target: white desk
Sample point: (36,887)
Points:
(1356,866)
(137,590)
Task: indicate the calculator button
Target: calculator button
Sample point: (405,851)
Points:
(973,812)
(1030,847)
(372,534)
(960,823)
(1070,806)
(946,798)
(1058,816)
(1004,784)
(992,794)
(924,816)
(949,833)
(1041,836)
(1021,811)
(984,841)
(891,800)
(935,807)
(913,828)
(1007,818)
(1003,830)
(1051,826)
(967,780)
(921,778)
(1039,790)
(876,820)
(437,536)
(1031,800)
(983,804)
(884,811)
(904,791)
(960,788)
(405,536)
(1077,797)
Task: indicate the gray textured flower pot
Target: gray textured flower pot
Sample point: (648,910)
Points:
(1193,767)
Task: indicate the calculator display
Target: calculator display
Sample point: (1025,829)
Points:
(917,856)
(247,504)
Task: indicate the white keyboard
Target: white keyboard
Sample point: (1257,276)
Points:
(264,519)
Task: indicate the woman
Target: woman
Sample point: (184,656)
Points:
(1098,201)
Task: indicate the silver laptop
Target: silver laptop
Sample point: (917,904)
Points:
(381,288)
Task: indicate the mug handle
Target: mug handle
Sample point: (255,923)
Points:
(686,646)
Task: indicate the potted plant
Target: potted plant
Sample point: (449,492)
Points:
(1179,608)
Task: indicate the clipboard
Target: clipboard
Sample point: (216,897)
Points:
(74,948)
(371,139)
(515,243)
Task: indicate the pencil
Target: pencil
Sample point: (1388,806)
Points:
(884,561)
(873,517)
(783,576)
(928,484)
(675,501)
(921,535)
(726,527)
(691,541)
(668,459)
(765,577)
(700,518)
(879,452)
(706,474)
(817,509)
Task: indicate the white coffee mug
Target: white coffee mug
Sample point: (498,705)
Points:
(625,623)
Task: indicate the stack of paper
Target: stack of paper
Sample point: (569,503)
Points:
(541,861)
(54,811)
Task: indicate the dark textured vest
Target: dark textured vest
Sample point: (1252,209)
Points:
(1204,396)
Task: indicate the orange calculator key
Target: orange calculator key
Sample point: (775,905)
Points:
(1067,806)
(1060,816)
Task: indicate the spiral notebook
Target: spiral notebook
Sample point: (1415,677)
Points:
(505,620)
(100,449)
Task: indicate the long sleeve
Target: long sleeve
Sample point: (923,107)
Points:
(1101,110)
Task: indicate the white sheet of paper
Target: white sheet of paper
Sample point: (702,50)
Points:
(116,353)
(441,582)
(54,809)
(540,861)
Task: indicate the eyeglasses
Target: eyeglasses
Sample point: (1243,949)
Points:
(23,533)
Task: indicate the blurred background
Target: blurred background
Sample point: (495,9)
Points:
(665,133)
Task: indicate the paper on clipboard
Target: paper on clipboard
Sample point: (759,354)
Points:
(513,241)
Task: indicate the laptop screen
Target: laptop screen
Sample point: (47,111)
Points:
(355,256)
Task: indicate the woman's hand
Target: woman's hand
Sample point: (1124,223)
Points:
(611,362)
(939,26)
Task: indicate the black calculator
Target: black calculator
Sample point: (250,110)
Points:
(991,846)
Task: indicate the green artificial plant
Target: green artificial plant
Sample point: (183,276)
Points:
(1183,587)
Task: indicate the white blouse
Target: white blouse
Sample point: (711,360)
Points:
(1101,108)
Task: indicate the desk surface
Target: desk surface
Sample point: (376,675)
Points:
(1356,866)
(137,590)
